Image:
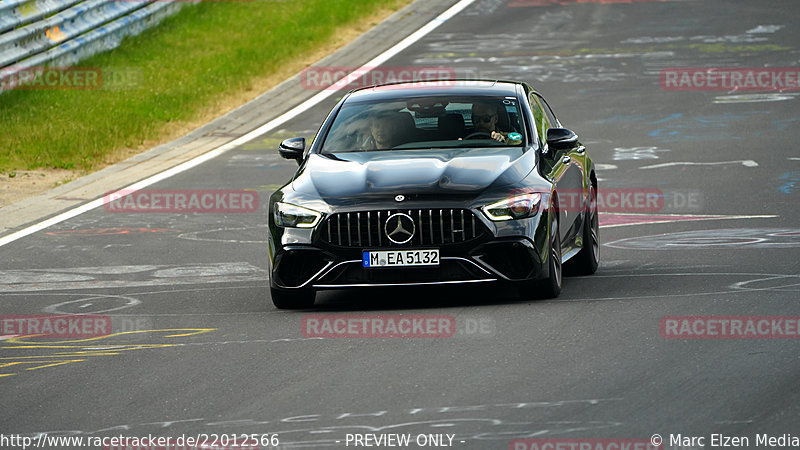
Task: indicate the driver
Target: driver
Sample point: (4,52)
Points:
(484,119)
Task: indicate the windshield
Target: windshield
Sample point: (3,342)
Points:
(429,122)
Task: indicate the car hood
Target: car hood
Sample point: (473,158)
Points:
(341,176)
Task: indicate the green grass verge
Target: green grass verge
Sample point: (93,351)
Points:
(182,66)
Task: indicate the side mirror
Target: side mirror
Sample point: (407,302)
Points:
(293,148)
(561,138)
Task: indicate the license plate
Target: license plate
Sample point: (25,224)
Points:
(401,258)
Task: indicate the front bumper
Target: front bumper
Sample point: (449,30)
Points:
(472,249)
(307,266)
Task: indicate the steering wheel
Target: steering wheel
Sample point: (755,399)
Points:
(479,135)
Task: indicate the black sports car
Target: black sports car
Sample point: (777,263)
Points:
(432,183)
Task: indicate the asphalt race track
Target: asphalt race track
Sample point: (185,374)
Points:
(197,347)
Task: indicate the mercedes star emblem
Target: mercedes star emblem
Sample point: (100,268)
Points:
(399,228)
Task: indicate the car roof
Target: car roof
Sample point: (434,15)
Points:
(492,88)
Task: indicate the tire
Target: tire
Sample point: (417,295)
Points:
(550,287)
(301,299)
(587,260)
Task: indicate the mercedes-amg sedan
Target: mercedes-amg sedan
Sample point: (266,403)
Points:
(431,183)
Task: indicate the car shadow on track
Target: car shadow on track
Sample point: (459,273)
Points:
(412,298)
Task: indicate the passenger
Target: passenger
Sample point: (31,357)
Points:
(386,131)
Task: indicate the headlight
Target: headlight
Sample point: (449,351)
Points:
(288,215)
(519,207)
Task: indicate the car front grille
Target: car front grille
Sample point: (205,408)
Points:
(431,227)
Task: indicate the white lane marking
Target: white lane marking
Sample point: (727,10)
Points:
(303,107)
(255,341)
(746,163)
(695,218)
(689,274)
(737,290)
(637,153)
(780,288)
(167,291)
(754,98)
(129,302)
(792,158)
(605,166)
(764,29)
(115,276)
(195,235)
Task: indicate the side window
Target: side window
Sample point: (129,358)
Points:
(549,112)
(540,118)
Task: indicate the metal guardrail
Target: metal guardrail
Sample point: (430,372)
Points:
(59,33)
(15,13)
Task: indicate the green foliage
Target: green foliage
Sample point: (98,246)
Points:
(170,73)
